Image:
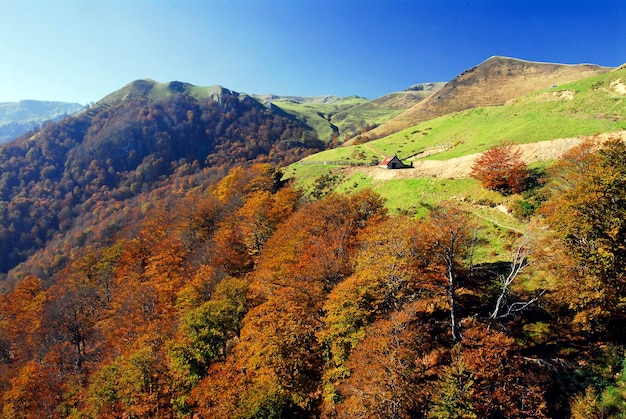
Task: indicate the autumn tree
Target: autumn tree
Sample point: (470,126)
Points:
(450,237)
(391,369)
(133,385)
(21,320)
(613,400)
(586,405)
(587,213)
(313,247)
(502,169)
(504,382)
(453,395)
(32,392)
(273,370)
(204,336)
(389,273)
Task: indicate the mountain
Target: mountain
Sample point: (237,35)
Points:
(160,265)
(316,112)
(493,82)
(360,118)
(566,114)
(129,143)
(16,118)
(339,118)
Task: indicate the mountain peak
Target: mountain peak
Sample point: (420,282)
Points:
(151,89)
(492,82)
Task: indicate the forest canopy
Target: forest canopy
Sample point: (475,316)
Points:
(240,298)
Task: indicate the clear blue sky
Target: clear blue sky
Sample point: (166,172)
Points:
(81,50)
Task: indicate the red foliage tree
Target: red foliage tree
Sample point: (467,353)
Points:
(502,169)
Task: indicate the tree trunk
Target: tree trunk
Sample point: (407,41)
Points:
(452,297)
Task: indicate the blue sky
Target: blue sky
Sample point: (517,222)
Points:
(81,50)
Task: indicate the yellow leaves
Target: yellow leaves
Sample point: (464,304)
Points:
(261,213)
(198,289)
(129,386)
(586,212)
(23,306)
(272,367)
(29,393)
(240,182)
(586,406)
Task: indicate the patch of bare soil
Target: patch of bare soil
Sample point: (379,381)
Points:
(619,86)
(462,166)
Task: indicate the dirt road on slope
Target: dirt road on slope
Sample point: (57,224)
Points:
(462,166)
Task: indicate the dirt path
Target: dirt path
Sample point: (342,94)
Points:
(373,150)
(462,166)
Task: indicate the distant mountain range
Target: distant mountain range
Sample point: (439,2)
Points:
(17,118)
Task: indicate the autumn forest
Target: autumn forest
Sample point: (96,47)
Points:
(142,281)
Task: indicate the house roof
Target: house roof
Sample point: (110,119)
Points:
(387,160)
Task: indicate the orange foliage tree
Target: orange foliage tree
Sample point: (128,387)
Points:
(587,213)
(449,235)
(502,169)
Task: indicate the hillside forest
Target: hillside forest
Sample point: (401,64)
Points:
(171,252)
(242,299)
(115,151)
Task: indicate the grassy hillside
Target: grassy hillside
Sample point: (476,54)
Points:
(156,91)
(580,108)
(585,107)
(493,82)
(348,117)
(319,115)
(381,110)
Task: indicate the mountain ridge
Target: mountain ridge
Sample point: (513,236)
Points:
(492,82)
(126,144)
(145,132)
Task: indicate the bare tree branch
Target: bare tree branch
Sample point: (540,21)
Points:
(519,263)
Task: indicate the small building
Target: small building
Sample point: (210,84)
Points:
(392,162)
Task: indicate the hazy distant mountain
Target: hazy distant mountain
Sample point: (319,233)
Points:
(17,118)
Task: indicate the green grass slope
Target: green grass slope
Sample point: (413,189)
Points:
(347,117)
(585,107)
(491,83)
(156,91)
(318,115)
(353,121)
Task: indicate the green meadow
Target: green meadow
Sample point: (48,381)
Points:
(585,107)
